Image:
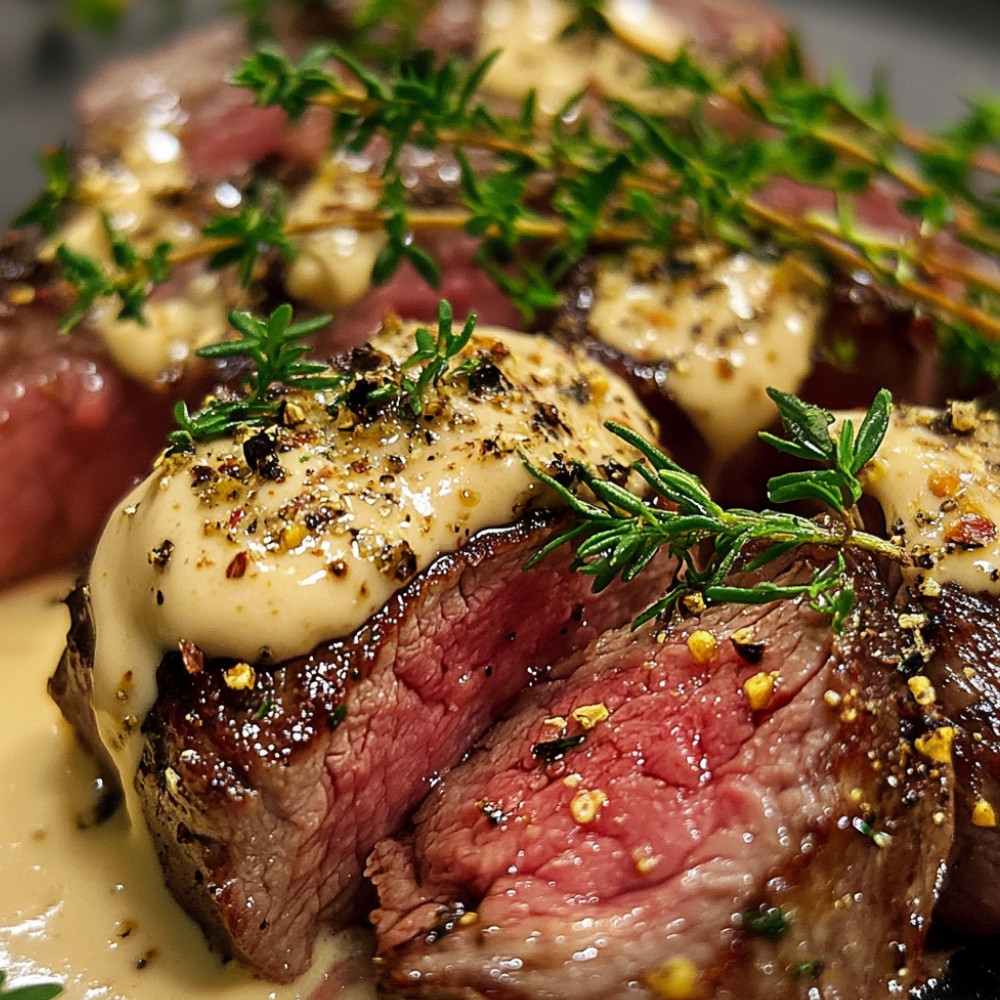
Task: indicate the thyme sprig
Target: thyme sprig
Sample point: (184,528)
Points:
(556,189)
(432,359)
(46,211)
(644,183)
(619,532)
(128,279)
(275,354)
(273,348)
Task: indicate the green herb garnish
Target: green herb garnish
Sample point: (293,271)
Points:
(36,991)
(276,364)
(619,532)
(433,356)
(766,921)
(46,210)
(551,192)
(272,347)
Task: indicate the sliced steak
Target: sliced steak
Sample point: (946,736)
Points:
(264,803)
(964,670)
(659,821)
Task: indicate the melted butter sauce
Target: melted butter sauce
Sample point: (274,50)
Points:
(85,904)
(332,268)
(136,192)
(537,55)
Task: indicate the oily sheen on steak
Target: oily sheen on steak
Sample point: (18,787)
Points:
(730,808)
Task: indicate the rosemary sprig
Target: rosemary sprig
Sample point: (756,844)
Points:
(618,532)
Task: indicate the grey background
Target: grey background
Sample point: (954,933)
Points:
(935,52)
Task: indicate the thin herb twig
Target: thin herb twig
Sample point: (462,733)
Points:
(273,348)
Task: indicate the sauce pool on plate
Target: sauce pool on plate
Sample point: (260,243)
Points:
(84,903)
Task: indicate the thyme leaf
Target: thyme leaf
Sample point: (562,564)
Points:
(46,210)
(433,356)
(36,991)
(246,235)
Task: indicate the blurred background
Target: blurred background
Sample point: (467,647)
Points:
(935,52)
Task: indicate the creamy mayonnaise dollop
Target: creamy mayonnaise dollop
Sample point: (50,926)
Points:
(259,546)
(136,194)
(538,54)
(935,477)
(333,266)
(726,328)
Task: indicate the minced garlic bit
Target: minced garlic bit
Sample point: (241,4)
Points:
(555,721)
(694,602)
(588,716)
(881,839)
(983,814)
(676,979)
(703,646)
(832,698)
(587,804)
(573,780)
(759,689)
(922,690)
(645,860)
(937,744)
(241,677)
(173,780)
(468,918)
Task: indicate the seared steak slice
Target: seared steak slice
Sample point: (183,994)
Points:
(264,802)
(964,631)
(659,821)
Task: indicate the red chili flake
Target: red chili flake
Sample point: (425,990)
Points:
(971,531)
(237,516)
(192,657)
(237,566)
